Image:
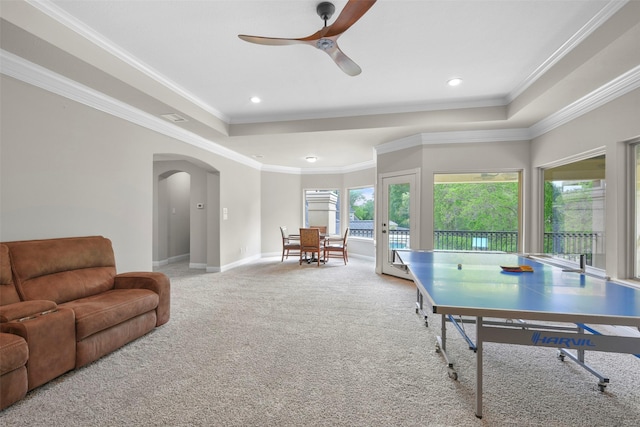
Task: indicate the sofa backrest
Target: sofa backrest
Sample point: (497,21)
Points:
(63,269)
(8,292)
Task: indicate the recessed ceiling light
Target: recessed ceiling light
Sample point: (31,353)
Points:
(255,100)
(311,159)
(454,82)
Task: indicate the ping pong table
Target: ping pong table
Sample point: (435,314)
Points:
(567,306)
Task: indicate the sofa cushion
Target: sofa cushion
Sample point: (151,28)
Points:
(14,352)
(99,312)
(62,270)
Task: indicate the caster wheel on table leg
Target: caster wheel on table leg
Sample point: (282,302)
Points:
(452,374)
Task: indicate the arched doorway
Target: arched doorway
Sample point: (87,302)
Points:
(186,212)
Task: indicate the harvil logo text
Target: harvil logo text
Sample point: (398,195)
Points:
(565,342)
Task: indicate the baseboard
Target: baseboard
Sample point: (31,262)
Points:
(156,264)
(171,260)
(238,263)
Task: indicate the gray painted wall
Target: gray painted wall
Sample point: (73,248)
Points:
(70,170)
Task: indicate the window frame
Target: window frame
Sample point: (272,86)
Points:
(601,151)
(469,173)
(347,213)
(633,245)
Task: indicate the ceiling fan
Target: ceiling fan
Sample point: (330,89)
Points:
(326,39)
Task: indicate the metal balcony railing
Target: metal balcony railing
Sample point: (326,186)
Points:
(506,241)
(558,243)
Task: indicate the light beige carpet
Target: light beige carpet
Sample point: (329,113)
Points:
(278,344)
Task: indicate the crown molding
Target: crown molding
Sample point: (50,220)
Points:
(455,137)
(399,144)
(373,111)
(28,72)
(281,169)
(606,93)
(14,66)
(320,171)
(475,136)
(605,13)
(50,9)
(340,169)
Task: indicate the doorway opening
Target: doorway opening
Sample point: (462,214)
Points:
(186,209)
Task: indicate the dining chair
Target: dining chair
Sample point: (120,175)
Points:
(310,242)
(289,243)
(322,228)
(336,248)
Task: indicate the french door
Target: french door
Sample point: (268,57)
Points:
(399,223)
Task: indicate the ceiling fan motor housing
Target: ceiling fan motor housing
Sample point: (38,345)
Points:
(325,10)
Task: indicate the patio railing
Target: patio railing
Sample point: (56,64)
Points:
(559,243)
(506,241)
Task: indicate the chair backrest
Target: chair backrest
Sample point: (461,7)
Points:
(309,238)
(62,269)
(283,230)
(346,235)
(322,228)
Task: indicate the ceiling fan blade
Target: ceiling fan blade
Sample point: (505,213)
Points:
(349,16)
(270,41)
(345,63)
(326,38)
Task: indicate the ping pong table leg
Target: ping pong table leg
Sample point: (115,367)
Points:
(420,307)
(443,333)
(441,347)
(479,367)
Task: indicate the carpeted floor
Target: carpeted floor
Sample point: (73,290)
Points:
(278,344)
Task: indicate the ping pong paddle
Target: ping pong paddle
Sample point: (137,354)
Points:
(517,269)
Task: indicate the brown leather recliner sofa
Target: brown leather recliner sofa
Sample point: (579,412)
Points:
(63,299)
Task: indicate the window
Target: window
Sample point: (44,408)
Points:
(322,208)
(361,210)
(476,211)
(574,211)
(636,149)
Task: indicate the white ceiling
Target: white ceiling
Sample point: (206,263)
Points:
(407,49)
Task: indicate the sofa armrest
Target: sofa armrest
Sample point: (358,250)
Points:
(25,310)
(156,282)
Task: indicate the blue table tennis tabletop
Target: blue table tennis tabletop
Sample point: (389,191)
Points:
(473,283)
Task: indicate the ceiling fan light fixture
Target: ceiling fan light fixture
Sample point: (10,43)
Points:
(311,159)
(324,44)
(456,81)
